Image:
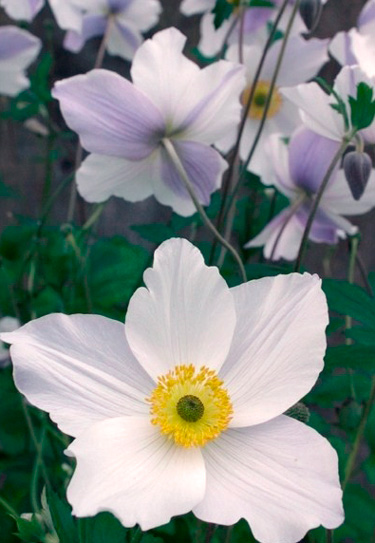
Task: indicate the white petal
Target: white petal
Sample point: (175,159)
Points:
(78,368)
(363,47)
(68,16)
(282,477)
(126,466)
(338,199)
(190,7)
(278,345)
(124,40)
(102,176)
(22,10)
(184,316)
(141,14)
(316,111)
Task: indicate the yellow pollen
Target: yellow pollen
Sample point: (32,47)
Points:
(259,100)
(193,389)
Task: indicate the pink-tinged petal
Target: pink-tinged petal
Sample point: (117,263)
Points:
(92,26)
(341,48)
(191,7)
(79,369)
(278,345)
(141,15)
(218,111)
(204,167)
(281,237)
(310,156)
(185,315)
(18,49)
(126,466)
(22,10)
(282,477)
(110,115)
(302,60)
(124,40)
(102,176)
(316,111)
(367,15)
(165,75)
(338,198)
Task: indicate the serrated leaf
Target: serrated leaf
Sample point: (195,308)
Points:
(29,531)
(362,108)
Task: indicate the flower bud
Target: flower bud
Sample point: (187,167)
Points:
(310,11)
(357,169)
(299,411)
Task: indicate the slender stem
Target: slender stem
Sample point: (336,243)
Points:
(318,198)
(293,210)
(241,33)
(190,189)
(229,213)
(235,151)
(329,536)
(94,217)
(358,438)
(226,37)
(210,532)
(8,508)
(354,241)
(363,272)
(79,152)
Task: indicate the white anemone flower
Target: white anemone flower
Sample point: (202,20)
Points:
(126,125)
(183,408)
(302,60)
(316,109)
(22,10)
(18,49)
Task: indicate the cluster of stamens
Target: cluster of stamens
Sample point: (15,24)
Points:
(190,405)
(260,99)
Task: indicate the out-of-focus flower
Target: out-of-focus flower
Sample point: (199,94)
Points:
(22,10)
(125,124)
(123,22)
(298,173)
(316,108)
(302,60)
(18,49)
(218,367)
(7,324)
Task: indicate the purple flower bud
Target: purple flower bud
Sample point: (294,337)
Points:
(357,168)
(310,11)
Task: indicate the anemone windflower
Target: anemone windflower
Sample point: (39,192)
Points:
(18,49)
(297,172)
(131,127)
(183,408)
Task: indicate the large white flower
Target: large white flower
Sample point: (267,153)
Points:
(183,408)
(125,124)
(18,49)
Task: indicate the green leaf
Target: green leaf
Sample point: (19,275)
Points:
(102,528)
(362,108)
(222,11)
(356,357)
(63,522)
(156,232)
(30,531)
(349,299)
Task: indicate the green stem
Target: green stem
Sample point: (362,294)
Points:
(8,508)
(329,536)
(94,217)
(210,532)
(318,197)
(358,438)
(189,187)
(136,535)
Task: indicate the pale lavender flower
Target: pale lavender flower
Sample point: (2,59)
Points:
(298,172)
(127,394)
(124,124)
(22,10)
(18,49)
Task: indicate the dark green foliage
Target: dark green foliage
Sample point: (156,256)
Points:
(362,107)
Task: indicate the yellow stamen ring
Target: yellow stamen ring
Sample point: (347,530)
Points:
(190,405)
(260,98)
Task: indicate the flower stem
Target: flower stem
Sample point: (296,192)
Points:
(8,508)
(190,189)
(318,198)
(293,210)
(358,438)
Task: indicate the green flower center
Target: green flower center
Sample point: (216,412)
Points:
(190,408)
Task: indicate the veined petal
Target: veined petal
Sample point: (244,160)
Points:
(277,152)
(278,345)
(142,478)
(316,111)
(219,109)
(338,199)
(111,116)
(92,26)
(79,368)
(123,40)
(204,167)
(310,156)
(282,477)
(185,315)
(102,176)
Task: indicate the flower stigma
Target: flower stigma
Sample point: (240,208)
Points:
(190,405)
(260,99)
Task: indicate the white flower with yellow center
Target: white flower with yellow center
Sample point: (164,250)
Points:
(183,408)
(302,61)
